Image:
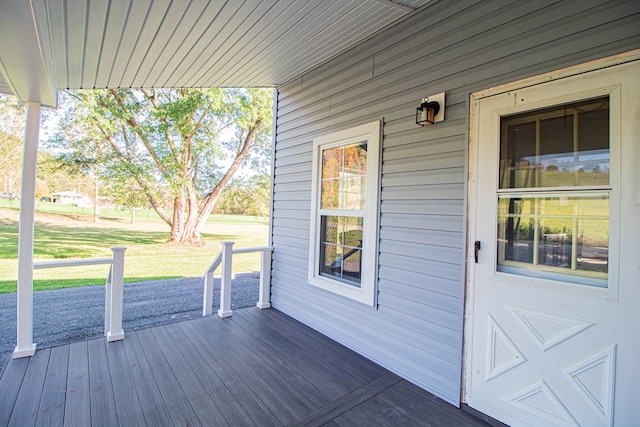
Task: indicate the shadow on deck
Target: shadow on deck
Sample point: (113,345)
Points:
(255,368)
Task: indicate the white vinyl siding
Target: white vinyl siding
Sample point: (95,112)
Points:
(454,47)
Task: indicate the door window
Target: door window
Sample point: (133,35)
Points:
(554,191)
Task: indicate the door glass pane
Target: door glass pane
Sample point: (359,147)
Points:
(563,146)
(341,248)
(560,237)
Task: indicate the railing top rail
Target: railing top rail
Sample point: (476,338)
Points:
(71,263)
(248,250)
(212,267)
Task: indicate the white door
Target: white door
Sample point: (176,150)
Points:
(553,335)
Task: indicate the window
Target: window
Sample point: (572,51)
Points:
(554,191)
(343,243)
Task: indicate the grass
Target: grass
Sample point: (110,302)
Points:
(65,232)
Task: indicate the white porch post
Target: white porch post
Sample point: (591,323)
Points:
(115,296)
(265,280)
(225,282)
(24,311)
(207,297)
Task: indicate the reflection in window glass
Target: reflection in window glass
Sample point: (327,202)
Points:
(564,146)
(341,248)
(344,172)
(560,237)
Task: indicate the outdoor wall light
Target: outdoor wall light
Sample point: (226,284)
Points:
(431,110)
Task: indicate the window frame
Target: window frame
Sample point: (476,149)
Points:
(366,292)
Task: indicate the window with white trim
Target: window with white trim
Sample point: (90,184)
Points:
(344,212)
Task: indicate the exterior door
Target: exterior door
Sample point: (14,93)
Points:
(553,332)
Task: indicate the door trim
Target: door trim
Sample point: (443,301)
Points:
(472,178)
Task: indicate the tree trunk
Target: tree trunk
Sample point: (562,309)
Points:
(177,225)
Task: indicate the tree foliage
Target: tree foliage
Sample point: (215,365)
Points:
(54,176)
(11,140)
(179,148)
(247,196)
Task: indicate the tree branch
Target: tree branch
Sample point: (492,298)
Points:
(211,199)
(153,98)
(131,121)
(126,160)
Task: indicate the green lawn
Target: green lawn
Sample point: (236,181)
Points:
(65,232)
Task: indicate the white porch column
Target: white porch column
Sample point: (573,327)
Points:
(114,300)
(207,295)
(265,280)
(225,281)
(24,312)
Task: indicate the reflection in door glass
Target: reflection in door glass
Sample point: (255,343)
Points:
(566,146)
(558,237)
(554,190)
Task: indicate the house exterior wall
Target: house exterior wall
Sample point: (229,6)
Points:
(459,47)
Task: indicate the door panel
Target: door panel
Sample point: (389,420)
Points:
(555,293)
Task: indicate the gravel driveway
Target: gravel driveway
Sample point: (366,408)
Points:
(66,315)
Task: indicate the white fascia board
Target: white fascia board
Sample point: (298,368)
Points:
(25,56)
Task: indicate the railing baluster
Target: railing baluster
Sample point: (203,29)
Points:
(107,300)
(207,298)
(209,281)
(225,283)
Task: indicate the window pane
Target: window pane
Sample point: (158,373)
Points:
(344,171)
(560,237)
(518,155)
(593,250)
(516,225)
(593,134)
(556,152)
(564,146)
(341,248)
(554,246)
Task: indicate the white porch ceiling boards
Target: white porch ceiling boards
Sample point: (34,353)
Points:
(182,43)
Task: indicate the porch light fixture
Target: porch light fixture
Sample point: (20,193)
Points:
(431,110)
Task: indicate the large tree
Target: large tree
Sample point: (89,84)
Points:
(182,146)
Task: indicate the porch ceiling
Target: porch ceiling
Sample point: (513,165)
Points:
(76,44)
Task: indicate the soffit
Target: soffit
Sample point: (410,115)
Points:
(189,43)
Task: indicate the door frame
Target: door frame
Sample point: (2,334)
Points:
(472,180)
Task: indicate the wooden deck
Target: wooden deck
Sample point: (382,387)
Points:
(256,368)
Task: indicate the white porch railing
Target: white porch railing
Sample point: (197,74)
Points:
(225,258)
(113,288)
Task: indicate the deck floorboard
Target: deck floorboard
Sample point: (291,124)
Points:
(101,399)
(188,378)
(265,383)
(10,383)
(128,405)
(255,368)
(252,403)
(327,368)
(51,412)
(28,401)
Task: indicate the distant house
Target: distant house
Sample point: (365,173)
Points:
(72,198)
